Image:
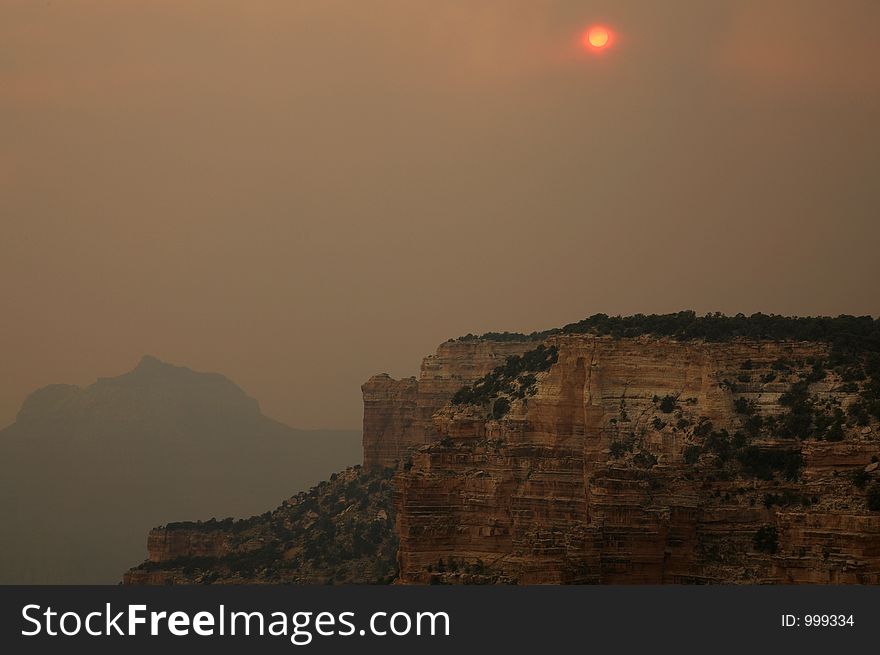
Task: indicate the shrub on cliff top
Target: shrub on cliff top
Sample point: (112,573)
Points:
(213,525)
(847,334)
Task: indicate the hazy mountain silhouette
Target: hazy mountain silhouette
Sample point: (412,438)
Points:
(86,472)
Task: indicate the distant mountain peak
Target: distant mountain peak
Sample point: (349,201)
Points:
(150,361)
(151,390)
(152,365)
(152,372)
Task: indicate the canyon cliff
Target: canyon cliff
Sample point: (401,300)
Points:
(648,460)
(641,450)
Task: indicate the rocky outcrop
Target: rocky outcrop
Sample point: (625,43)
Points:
(390,424)
(340,531)
(164,544)
(398,414)
(649,460)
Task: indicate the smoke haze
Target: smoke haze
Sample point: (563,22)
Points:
(303,194)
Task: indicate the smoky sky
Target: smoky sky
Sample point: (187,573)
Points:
(302,194)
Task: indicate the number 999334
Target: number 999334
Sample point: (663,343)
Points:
(818,620)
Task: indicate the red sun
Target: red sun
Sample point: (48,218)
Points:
(597,37)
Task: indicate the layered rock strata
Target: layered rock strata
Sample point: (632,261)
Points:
(398,414)
(646,460)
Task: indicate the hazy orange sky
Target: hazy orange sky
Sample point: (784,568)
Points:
(302,194)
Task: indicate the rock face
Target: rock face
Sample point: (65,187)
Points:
(390,425)
(165,544)
(632,460)
(398,414)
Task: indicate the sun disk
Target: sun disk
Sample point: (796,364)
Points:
(597,37)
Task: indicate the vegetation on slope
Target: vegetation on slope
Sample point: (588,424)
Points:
(340,531)
(858,333)
(818,404)
(513,379)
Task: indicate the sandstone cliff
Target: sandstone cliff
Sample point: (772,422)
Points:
(649,460)
(398,414)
